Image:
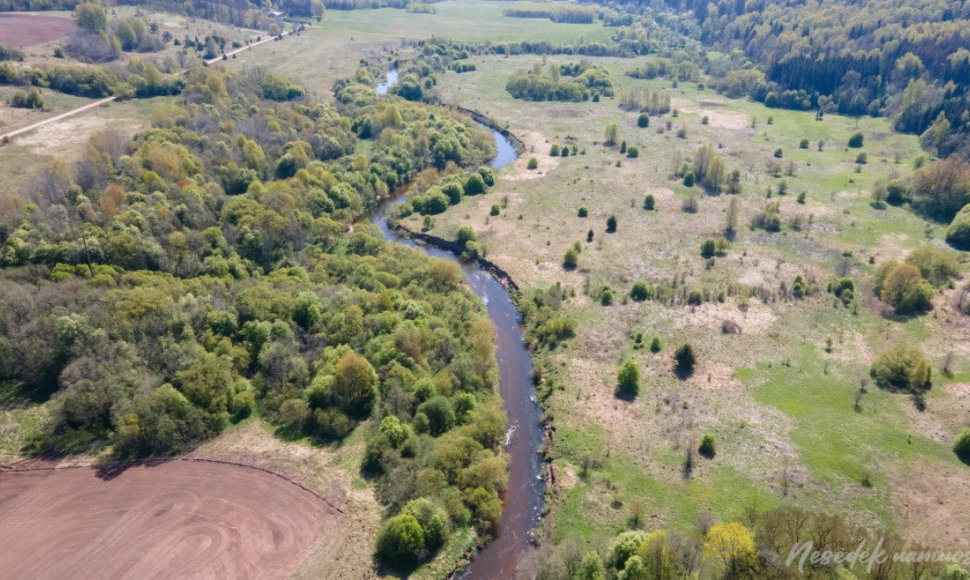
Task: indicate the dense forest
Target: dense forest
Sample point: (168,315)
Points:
(215,266)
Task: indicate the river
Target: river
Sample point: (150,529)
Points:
(524,498)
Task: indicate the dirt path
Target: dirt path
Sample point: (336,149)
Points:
(174,519)
(7,136)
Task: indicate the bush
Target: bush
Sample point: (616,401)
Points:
(474,185)
(583,212)
(649,202)
(495,210)
(708,248)
(641,291)
(611,224)
(401,538)
(803,144)
(935,265)
(488,176)
(643,121)
(554,150)
(855,141)
(962,446)
(440,413)
(902,286)
(656,345)
(685,359)
(707,448)
(689,179)
(533,163)
(465,234)
(779,153)
(606,296)
(626,546)
(571,259)
(862,158)
(901,367)
(632,152)
(958,234)
(628,377)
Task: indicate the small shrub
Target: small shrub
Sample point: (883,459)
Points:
(495,209)
(611,224)
(855,141)
(901,367)
(606,296)
(962,446)
(958,234)
(705,120)
(778,153)
(689,205)
(656,345)
(862,158)
(554,150)
(533,163)
(803,144)
(643,121)
(633,152)
(707,447)
(641,291)
(684,359)
(649,202)
(628,378)
(801,198)
(571,259)
(689,179)
(708,248)
(583,212)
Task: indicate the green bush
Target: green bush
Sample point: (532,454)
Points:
(708,248)
(803,144)
(902,286)
(643,121)
(628,377)
(632,152)
(962,446)
(583,212)
(684,359)
(855,141)
(611,224)
(401,538)
(641,291)
(656,345)
(571,259)
(474,185)
(649,202)
(689,179)
(533,163)
(958,234)
(707,447)
(554,150)
(901,367)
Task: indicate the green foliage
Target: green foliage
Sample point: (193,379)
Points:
(571,259)
(612,134)
(656,345)
(626,546)
(708,248)
(901,367)
(855,141)
(689,179)
(536,85)
(628,378)
(611,224)
(643,121)
(583,212)
(707,447)
(684,359)
(590,568)
(902,286)
(641,291)
(649,202)
(958,234)
(400,538)
(962,446)
(936,265)
(533,163)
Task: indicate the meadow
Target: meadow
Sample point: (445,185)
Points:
(779,395)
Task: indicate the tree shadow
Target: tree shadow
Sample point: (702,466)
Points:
(683,373)
(625,393)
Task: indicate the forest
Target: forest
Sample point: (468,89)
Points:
(214,266)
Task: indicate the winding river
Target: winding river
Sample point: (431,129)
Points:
(524,498)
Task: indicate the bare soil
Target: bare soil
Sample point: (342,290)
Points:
(20,30)
(175,519)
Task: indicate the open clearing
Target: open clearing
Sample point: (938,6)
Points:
(175,519)
(20,30)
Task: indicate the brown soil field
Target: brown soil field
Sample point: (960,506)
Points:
(20,30)
(178,519)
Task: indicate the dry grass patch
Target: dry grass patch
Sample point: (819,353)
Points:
(931,505)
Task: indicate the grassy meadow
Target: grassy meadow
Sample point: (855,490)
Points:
(778,396)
